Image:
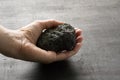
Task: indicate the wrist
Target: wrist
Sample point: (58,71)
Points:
(3,38)
(7,42)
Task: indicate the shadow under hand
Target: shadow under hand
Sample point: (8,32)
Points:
(55,71)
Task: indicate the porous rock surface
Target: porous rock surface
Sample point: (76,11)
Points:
(58,38)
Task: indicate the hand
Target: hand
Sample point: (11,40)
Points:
(21,43)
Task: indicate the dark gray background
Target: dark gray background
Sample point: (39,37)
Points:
(99,57)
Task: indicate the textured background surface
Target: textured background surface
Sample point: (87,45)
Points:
(98,59)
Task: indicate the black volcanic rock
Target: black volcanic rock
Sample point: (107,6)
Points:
(58,38)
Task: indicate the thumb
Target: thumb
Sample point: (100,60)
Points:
(34,29)
(45,24)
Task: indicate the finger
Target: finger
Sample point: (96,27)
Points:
(34,29)
(65,55)
(75,50)
(79,39)
(78,32)
(50,23)
(39,25)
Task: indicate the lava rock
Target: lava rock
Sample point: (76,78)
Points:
(58,38)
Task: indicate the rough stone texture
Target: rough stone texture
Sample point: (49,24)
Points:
(58,39)
(98,58)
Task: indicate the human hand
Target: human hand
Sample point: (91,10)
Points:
(21,43)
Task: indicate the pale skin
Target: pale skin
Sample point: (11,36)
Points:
(21,43)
